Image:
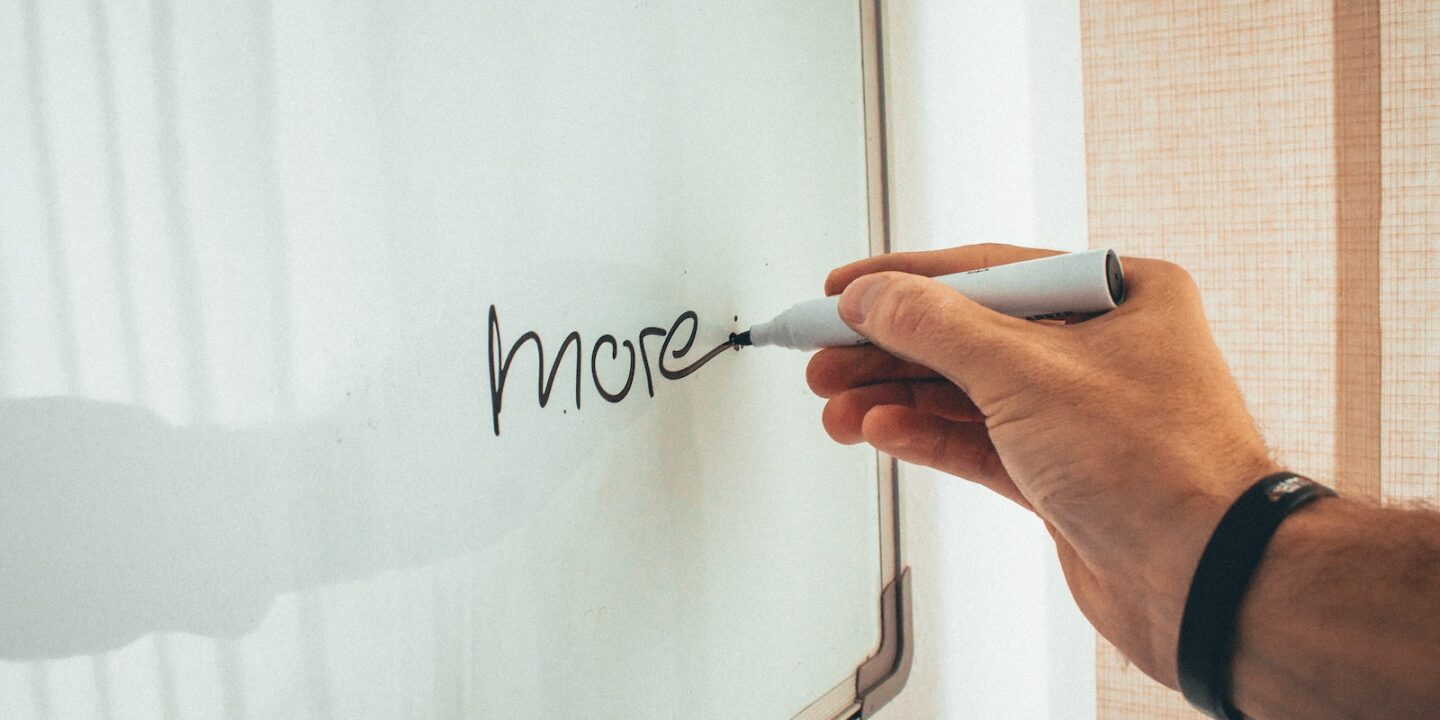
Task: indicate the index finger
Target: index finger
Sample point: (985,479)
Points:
(934,262)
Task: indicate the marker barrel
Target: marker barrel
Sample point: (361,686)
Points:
(1081,283)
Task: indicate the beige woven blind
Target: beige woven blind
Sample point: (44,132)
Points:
(1288,153)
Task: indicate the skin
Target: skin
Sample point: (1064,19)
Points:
(1128,436)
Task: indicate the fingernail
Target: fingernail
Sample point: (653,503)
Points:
(855,302)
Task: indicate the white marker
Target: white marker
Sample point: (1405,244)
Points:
(1081,283)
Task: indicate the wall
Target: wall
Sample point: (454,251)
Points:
(987,145)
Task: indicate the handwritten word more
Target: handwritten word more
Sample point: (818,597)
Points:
(637,357)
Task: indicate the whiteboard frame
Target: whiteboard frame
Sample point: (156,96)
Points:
(881,676)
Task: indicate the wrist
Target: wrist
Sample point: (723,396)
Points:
(1175,555)
(1222,581)
(1290,576)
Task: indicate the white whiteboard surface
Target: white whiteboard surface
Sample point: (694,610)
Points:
(248,458)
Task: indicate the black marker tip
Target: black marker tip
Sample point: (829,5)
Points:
(740,339)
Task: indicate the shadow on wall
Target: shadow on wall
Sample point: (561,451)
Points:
(115,524)
(131,525)
(128,525)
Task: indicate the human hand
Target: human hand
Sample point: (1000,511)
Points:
(1125,433)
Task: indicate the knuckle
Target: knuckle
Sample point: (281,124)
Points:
(937,451)
(988,251)
(1174,275)
(1162,280)
(1178,272)
(909,309)
(1182,288)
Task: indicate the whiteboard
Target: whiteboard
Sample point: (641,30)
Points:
(275,439)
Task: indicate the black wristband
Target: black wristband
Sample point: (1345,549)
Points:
(1207,628)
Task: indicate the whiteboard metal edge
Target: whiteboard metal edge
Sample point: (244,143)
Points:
(883,674)
(880,678)
(839,703)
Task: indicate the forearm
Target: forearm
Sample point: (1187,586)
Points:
(1342,619)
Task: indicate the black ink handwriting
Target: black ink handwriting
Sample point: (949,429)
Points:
(501,360)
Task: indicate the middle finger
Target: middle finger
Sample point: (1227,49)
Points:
(835,370)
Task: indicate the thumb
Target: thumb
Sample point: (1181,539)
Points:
(920,320)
